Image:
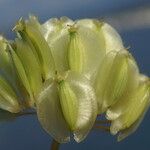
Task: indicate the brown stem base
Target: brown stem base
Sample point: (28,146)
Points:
(55,145)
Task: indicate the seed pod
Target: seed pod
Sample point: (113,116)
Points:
(69,104)
(119,107)
(87,104)
(113,77)
(7,70)
(77,54)
(128,131)
(22,74)
(90,40)
(8,98)
(73,104)
(57,36)
(137,105)
(30,30)
(85,49)
(50,114)
(30,64)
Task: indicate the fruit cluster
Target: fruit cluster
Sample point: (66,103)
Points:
(70,72)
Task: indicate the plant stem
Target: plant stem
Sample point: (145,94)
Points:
(55,145)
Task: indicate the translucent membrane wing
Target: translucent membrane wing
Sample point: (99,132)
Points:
(86,105)
(132,83)
(85,50)
(52,28)
(126,132)
(112,38)
(112,78)
(88,23)
(59,47)
(118,80)
(50,113)
(137,105)
(109,38)
(22,74)
(8,98)
(94,26)
(103,77)
(56,34)
(31,28)
(30,64)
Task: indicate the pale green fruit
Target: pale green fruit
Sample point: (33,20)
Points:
(90,40)
(50,114)
(85,48)
(120,106)
(57,36)
(68,104)
(136,107)
(87,104)
(77,55)
(113,77)
(7,68)
(30,65)
(8,98)
(22,74)
(30,30)
(128,131)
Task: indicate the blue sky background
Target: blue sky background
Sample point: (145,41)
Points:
(26,133)
(12,10)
